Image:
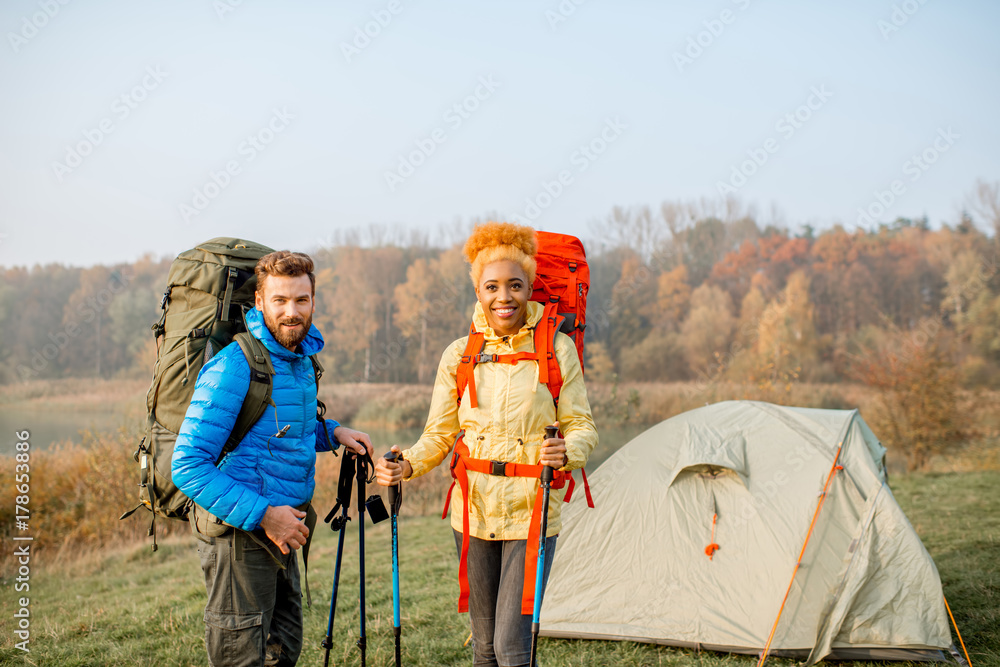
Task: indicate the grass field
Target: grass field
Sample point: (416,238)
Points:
(134,607)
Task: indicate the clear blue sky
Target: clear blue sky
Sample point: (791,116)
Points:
(675,132)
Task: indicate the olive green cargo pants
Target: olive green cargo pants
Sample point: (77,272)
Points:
(254,611)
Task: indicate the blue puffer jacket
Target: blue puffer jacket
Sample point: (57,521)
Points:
(263,470)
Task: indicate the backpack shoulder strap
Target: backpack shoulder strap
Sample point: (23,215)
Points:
(258,395)
(465,375)
(317,368)
(549,372)
(320,405)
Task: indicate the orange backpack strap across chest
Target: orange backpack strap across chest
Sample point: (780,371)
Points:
(465,375)
(544,338)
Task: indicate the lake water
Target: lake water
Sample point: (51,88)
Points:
(48,426)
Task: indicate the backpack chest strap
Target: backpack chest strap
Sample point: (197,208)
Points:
(483,358)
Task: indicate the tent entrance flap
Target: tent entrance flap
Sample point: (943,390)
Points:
(705,449)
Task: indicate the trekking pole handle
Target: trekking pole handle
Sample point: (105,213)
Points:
(393,457)
(550,432)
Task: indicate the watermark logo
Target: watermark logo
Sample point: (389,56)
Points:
(87,310)
(915,167)
(714,28)
(22,512)
(364,35)
(582,158)
(121,109)
(225,7)
(248,150)
(425,147)
(899,17)
(34,24)
(562,13)
(786,126)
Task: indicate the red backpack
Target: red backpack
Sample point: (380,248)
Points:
(561,284)
(563,279)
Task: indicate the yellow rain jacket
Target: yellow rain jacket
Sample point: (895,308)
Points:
(509,426)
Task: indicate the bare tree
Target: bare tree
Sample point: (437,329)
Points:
(985,203)
(633,228)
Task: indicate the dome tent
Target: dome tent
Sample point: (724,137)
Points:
(745,478)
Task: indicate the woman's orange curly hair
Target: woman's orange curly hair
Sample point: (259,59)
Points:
(495,241)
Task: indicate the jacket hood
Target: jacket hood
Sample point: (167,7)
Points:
(312,343)
(535,311)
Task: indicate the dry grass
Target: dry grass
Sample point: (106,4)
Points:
(403,406)
(346,401)
(77,493)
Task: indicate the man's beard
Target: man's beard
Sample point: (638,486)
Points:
(286,338)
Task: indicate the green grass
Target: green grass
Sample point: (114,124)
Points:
(134,607)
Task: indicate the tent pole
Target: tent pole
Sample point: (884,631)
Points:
(822,497)
(960,640)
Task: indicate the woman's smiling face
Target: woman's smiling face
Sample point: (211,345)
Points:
(503,291)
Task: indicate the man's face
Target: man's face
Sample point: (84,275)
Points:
(288,307)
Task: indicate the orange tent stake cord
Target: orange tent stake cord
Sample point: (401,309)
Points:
(826,488)
(713,547)
(957,632)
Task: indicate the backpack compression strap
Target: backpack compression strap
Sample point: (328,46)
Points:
(549,372)
(461,464)
(544,339)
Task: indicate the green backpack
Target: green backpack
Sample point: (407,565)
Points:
(209,290)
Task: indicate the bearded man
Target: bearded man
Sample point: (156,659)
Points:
(250,508)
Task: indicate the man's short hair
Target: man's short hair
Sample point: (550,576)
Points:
(284,263)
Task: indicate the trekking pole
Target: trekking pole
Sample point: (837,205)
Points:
(362,482)
(395,500)
(344,490)
(550,432)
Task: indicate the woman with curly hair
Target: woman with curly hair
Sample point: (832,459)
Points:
(502,415)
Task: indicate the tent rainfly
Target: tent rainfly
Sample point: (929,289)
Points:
(699,524)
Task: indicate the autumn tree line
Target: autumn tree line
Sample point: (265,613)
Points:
(699,292)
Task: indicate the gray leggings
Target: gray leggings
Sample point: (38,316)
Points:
(501,635)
